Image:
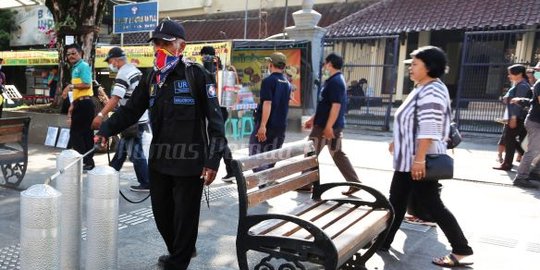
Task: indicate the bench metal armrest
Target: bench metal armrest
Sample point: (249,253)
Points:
(318,234)
(380,200)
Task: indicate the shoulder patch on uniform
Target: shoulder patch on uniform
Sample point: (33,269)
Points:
(211,90)
(184,101)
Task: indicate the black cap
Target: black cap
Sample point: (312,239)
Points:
(114,53)
(168,30)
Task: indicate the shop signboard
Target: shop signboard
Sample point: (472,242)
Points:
(137,17)
(251,68)
(29,58)
(32,23)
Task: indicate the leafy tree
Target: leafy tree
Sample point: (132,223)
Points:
(6,23)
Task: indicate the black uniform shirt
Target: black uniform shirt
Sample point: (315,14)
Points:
(183,142)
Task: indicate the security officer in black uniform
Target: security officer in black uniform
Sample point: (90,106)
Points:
(188,139)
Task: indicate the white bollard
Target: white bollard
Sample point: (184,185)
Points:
(102,218)
(69,184)
(40,243)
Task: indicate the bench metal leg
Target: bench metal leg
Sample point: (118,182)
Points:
(14,173)
(264,264)
(357,262)
(242,259)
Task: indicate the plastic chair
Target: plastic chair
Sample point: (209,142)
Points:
(231,128)
(245,122)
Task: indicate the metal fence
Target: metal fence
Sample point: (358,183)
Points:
(486,56)
(370,71)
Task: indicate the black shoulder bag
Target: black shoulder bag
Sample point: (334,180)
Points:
(438,166)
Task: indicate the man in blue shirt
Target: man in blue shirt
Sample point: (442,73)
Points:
(271,115)
(329,120)
(81,110)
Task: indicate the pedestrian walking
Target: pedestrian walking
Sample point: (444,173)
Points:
(421,126)
(515,131)
(81,109)
(188,139)
(52,82)
(127,78)
(532,125)
(271,114)
(212,63)
(329,120)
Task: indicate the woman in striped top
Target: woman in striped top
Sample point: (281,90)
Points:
(421,126)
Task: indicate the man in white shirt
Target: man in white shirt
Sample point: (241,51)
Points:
(127,78)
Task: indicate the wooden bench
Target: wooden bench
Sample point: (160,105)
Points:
(14,149)
(326,231)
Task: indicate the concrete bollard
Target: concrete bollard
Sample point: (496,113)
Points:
(69,184)
(102,218)
(40,243)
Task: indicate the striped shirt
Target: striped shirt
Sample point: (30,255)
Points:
(126,81)
(432,104)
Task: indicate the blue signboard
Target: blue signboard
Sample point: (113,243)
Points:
(139,17)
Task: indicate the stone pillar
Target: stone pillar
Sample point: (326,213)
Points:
(306,28)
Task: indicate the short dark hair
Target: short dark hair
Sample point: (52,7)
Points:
(279,65)
(209,50)
(335,59)
(434,58)
(74,46)
(518,69)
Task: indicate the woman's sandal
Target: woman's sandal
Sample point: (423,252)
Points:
(350,191)
(449,260)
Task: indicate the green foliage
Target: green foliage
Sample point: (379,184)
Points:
(7,19)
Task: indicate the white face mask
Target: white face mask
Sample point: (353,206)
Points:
(113,68)
(537,75)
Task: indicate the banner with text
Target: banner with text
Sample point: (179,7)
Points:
(251,67)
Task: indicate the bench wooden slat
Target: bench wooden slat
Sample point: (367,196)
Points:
(11,129)
(274,156)
(358,235)
(294,183)
(273,174)
(306,207)
(323,221)
(279,228)
(336,228)
(11,138)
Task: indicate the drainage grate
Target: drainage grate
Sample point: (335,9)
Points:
(221,192)
(499,241)
(9,257)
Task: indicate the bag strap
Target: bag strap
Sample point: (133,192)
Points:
(415,121)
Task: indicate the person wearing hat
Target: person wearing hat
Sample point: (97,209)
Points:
(81,109)
(212,63)
(329,120)
(532,125)
(271,114)
(188,139)
(127,79)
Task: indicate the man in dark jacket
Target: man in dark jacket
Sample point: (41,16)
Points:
(183,106)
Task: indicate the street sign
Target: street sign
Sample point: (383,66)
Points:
(138,17)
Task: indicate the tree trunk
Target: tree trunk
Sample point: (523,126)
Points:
(80,19)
